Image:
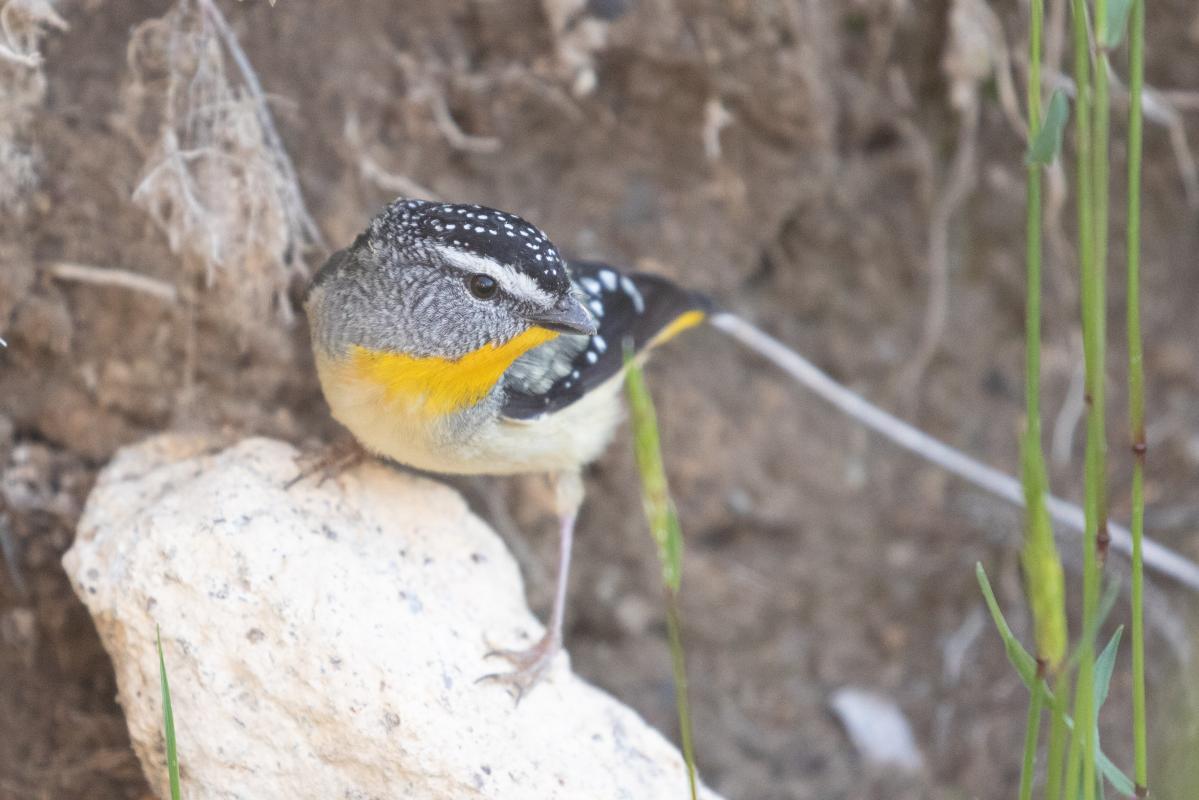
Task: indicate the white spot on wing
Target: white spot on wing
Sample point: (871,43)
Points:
(631,290)
(600,345)
(609,279)
(591,285)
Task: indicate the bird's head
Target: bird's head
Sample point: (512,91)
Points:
(445,289)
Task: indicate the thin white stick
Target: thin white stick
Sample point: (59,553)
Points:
(106,276)
(1157,556)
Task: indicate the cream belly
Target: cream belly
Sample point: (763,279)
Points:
(477,440)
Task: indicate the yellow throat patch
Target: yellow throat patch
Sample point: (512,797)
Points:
(438,386)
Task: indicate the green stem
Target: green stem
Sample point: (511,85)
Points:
(1136,387)
(1031,732)
(1091,145)
(674,631)
(1058,731)
(1032,319)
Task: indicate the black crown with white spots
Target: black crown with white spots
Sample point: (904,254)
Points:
(475,229)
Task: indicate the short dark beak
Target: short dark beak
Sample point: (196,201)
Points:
(568,316)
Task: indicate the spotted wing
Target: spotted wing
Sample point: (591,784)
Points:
(644,309)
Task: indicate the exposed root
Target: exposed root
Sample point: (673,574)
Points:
(217,180)
(23,24)
(427,88)
(370,169)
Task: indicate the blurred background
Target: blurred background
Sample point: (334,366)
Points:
(847,175)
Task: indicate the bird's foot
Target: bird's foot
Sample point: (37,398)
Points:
(330,461)
(530,665)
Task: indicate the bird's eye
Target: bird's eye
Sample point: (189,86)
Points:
(482,286)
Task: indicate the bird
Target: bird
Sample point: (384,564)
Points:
(455,339)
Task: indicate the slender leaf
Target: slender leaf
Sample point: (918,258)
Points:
(1104,666)
(659,507)
(1117,22)
(1047,144)
(1026,668)
(668,535)
(168,721)
(1024,663)
(1115,776)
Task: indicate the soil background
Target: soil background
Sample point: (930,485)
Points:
(790,157)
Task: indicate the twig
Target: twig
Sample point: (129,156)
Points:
(1157,556)
(961,183)
(24,59)
(107,276)
(1180,99)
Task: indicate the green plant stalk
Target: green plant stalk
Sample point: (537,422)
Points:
(664,525)
(1136,389)
(1091,154)
(1058,732)
(1043,573)
(1032,730)
(1032,227)
(674,628)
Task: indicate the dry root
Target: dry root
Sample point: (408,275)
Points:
(217,180)
(23,24)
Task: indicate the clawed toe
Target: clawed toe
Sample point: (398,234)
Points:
(530,666)
(329,461)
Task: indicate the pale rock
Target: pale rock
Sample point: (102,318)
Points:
(325,641)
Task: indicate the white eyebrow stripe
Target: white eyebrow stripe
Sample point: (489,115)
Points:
(516,283)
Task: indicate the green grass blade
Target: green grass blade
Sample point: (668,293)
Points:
(1117,22)
(168,721)
(1046,143)
(1104,666)
(655,491)
(668,535)
(1025,664)
(1115,776)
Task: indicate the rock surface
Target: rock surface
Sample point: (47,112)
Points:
(324,641)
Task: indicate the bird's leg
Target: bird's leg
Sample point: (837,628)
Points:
(531,664)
